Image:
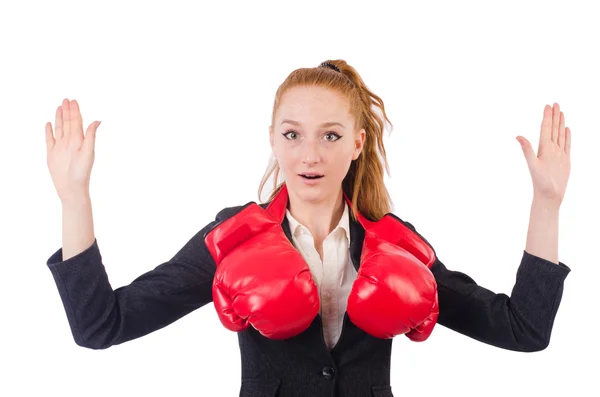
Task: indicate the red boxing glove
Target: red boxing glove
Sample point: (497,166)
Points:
(261,279)
(394,292)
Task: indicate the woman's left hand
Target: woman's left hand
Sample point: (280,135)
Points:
(551,167)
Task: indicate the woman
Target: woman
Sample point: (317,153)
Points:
(318,280)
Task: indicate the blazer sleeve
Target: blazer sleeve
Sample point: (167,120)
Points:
(100,317)
(522,321)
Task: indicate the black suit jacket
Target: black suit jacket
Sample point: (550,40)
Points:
(358,365)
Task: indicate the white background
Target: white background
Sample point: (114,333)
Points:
(185,91)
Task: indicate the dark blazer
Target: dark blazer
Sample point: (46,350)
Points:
(358,365)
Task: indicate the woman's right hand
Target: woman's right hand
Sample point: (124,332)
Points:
(70,155)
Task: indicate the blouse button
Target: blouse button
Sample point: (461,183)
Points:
(328,372)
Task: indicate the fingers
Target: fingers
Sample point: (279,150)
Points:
(76,121)
(66,118)
(69,123)
(561,131)
(90,135)
(546,130)
(58,123)
(568,141)
(49,137)
(555,122)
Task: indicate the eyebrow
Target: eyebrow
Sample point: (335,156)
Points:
(327,124)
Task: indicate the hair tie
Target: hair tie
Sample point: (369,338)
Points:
(330,65)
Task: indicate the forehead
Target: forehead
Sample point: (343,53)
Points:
(308,104)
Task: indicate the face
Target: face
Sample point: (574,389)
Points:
(314,134)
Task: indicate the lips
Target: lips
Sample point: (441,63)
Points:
(311,175)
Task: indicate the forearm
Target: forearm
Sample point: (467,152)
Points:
(542,235)
(77,226)
(101,317)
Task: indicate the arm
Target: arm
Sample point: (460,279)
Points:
(100,317)
(522,321)
(542,234)
(77,225)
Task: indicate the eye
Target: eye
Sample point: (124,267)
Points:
(288,133)
(334,135)
(292,135)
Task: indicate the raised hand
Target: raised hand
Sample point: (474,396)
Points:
(70,155)
(551,167)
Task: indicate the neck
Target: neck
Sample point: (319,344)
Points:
(319,217)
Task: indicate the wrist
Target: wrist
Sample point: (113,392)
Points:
(76,200)
(545,204)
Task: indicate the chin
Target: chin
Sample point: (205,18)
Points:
(311,197)
(309,194)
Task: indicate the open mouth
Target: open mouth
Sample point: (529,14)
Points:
(311,176)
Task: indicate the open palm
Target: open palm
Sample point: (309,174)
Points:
(70,154)
(551,167)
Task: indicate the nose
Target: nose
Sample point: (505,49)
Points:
(310,152)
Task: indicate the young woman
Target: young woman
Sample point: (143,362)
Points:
(320,278)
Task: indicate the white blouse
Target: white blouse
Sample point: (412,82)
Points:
(334,275)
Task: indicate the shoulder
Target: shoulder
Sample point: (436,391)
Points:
(228,212)
(402,221)
(220,235)
(412,228)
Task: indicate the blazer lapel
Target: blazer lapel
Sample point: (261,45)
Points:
(357,235)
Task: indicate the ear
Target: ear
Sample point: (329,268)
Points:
(359,143)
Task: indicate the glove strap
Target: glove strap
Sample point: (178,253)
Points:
(278,205)
(364,222)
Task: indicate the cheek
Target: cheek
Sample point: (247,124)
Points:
(285,159)
(345,155)
(345,166)
(340,163)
